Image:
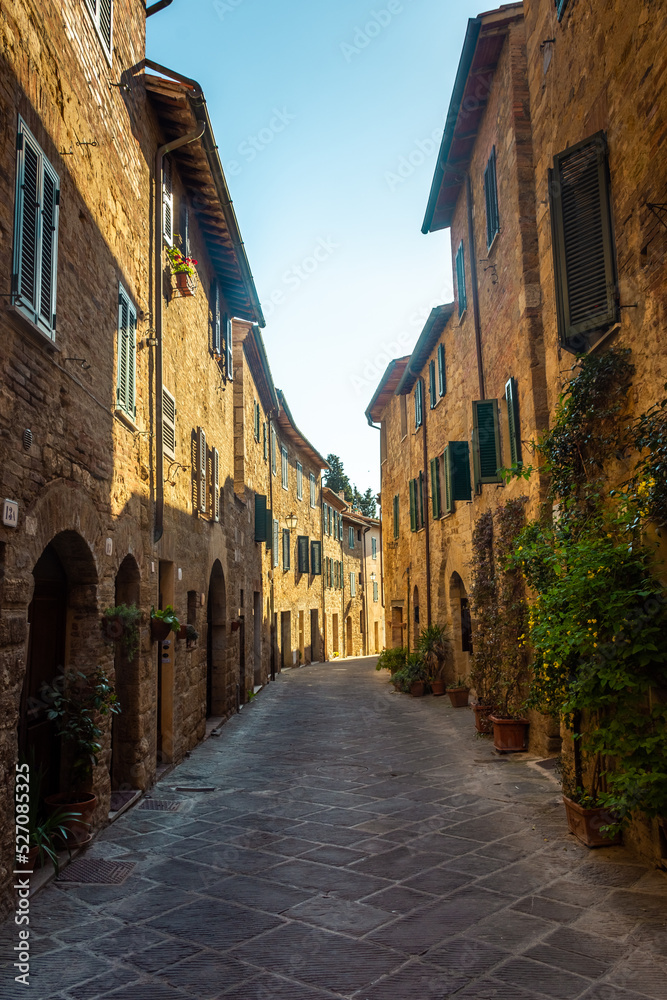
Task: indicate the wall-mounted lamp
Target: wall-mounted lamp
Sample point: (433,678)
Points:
(291,521)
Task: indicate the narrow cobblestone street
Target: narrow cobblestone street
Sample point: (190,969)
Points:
(357,843)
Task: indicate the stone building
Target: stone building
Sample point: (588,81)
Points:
(333,607)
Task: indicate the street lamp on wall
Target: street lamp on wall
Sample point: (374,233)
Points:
(291,522)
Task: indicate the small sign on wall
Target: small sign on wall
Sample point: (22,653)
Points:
(10,513)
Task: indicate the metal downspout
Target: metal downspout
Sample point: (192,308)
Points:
(475,297)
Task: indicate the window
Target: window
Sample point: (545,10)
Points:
(336,574)
(403,404)
(257,421)
(491,196)
(316,558)
(265,442)
(353,585)
(313,497)
(431,384)
(127,355)
(560,8)
(435,487)
(461,279)
(350,536)
(228,349)
(375,592)
(325,519)
(273,450)
(486,442)
(168,424)
(583,248)
(269,529)
(276,541)
(359,535)
(413,505)
(299,481)
(286,549)
(167,203)
(513,421)
(260,518)
(101,12)
(374,548)
(420,485)
(302,549)
(216,327)
(396,515)
(340,528)
(284,466)
(202,456)
(215,483)
(456,474)
(442,375)
(35,234)
(419,405)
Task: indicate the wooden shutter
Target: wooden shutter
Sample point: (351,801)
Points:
(396,511)
(313,498)
(375,592)
(265,442)
(486,441)
(229,360)
(435,487)
(431,383)
(584,255)
(491,197)
(168,423)
(276,543)
(48,250)
(374,548)
(269,528)
(560,8)
(442,374)
(286,549)
(260,518)
(302,545)
(353,585)
(461,279)
(419,409)
(167,203)
(106,22)
(420,486)
(273,450)
(340,528)
(413,505)
(127,355)
(299,481)
(216,484)
(459,457)
(216,331)
(513,421)
(202,458)
(284,466)
(447,480)
(350,536)
(316,558)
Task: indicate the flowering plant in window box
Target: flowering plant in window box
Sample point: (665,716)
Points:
(183,270)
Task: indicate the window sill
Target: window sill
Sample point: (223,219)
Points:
(126,420)
(27,326)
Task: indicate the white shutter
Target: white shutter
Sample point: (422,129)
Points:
(105,8)
(216,485)
(353,585)
(127,354)
(167,203)
(276,540)
(201,462)
(168,423)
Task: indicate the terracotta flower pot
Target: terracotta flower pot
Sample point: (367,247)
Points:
(417,689)
(438,687)
(585,824)
(509,735)
(184,283)
(182,632)
(159,629)
(83,803)
(482,721)
(458,697)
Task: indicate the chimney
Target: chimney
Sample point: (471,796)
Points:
(341,494)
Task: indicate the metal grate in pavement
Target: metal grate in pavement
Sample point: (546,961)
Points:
(96,871)
(161,805)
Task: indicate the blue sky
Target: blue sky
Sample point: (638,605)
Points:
(328,115)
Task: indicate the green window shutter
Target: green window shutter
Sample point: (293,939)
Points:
(257,421)
(513,421)
(269,529)
(583,248)
(215,483)
(461,279)
(264,441)
(396,512)
(276,543)
(303,545)
(316,558)
(340,529)
(431,383)
(413,506)
(375,592)
(435,487)
(228,349)
(459,458)
(260,518)
(491,198)
(419,407)
(350,536)
(486,443)
(447,479)
(286,549)
(420,486)
(560,8)
(374,548)
(442,374)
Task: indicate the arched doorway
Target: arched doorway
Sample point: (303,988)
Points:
(415,609)
(217,698)
(64,633)
(125,736)
(461,625)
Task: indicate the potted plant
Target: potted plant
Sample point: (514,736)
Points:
(182,269)
(121,624)
(434,646)
(412,677)
(43,827)
(588,817)
(189,633)
(163,621)
(392,659)
(77,706)
(458,693)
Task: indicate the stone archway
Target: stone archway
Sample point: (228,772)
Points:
(128,749)
(64,633)
(461,626)
(218,700)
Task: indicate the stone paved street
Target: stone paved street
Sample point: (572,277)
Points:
(359,843)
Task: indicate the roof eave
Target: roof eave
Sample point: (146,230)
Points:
(428,338)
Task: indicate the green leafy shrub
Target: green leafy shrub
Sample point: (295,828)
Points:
(392,659)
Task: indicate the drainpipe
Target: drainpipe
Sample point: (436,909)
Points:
(159,160)
(475,297)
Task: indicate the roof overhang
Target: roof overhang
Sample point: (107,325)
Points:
(428,338)
(288,429)
(484,39)
(386,389)
(333,499)
(180,105)
(258,363)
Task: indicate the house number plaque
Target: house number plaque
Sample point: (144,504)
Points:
(10,513)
